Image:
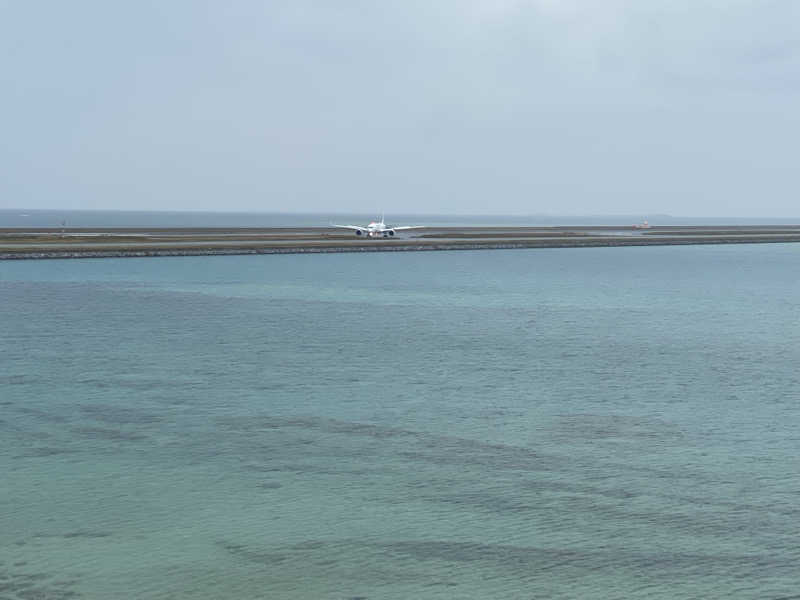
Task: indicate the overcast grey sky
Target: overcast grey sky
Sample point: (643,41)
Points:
(686,107)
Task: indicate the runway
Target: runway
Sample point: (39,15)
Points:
(19,243)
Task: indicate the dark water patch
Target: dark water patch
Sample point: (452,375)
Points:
(321,556)
(733,506)
(588,428)
(17,426)
(532,502)
(305,469)
(331,560)
(311,423)
(115,435)
(97,383)
(118,415)
(42,415)
(145,385)
(250,554)
(529,561)
(417,446)
(270,485)
(490,457)
(551,486)
(19,585)
(47,594)
(14,380)
(86,534)
(494,412)
(44,452)
(716,525)
(678,476)
(272,387)
(69,535)
(495,503)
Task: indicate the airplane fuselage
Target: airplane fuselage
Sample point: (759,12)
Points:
(376,229)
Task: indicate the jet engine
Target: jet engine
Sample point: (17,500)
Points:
(358,232)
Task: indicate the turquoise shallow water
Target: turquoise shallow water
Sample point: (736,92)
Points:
(593,423)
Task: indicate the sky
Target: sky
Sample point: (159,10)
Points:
(564,107)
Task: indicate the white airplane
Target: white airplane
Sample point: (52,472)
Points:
(376,229)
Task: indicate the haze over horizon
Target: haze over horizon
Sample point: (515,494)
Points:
(476,107)
(367,214)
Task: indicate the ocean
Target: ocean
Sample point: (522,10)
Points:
(126,218)
(550,423)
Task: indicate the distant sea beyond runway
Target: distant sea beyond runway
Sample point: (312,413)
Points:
(27,218)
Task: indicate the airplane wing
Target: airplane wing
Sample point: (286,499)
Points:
(409,227)
(354,227)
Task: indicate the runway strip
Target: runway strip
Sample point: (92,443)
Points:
(99,243)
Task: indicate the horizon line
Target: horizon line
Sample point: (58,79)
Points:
(421,214)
